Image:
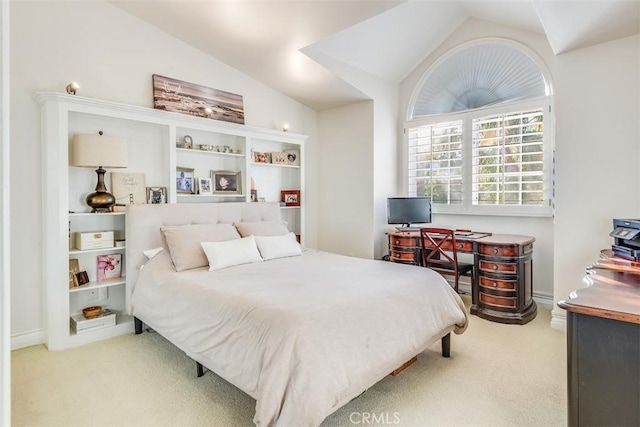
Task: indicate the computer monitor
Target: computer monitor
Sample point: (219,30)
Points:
(408,210)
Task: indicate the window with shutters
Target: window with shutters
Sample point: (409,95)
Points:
(495,156)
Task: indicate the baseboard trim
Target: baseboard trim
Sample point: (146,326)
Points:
(544,300)
(558,322)
(27,339)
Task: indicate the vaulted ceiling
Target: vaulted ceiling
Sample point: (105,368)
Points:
(272,40)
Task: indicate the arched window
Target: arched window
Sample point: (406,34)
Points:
(479,132)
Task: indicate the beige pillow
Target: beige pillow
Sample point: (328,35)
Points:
(263,228)
(183,242)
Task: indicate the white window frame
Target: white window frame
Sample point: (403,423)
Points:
(544,103)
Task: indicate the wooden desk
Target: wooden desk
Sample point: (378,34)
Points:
(603,349)
(503,288)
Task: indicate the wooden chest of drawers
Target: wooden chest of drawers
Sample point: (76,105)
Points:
(504,280)
(405,248)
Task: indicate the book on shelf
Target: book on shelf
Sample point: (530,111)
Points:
(109,267)
(80,324)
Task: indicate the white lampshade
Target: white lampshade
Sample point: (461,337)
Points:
(93,150)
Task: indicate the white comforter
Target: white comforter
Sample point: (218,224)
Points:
(302,335)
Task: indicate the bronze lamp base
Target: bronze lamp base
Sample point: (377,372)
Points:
(101,201)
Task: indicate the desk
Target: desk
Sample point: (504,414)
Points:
(603,350)
(503,288)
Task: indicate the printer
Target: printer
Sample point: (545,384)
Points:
(626,236)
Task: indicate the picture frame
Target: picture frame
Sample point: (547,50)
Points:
(261,157)
(185,180)
(156,195)
(279,158)
(226,182)
(128,188)
(109,267)
(293,157)
(204,186)
(195,100)
(254,195)
(81,278)
(74,268)
(290,197)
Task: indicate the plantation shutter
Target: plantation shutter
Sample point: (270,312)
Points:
(507,159)
(436,162)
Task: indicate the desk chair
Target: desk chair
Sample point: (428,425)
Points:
(440,253)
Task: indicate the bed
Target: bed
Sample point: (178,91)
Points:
(301,334)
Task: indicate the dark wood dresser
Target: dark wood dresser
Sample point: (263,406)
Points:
(603,346)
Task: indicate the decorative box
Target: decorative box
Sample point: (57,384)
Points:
(79,324)
(94,240)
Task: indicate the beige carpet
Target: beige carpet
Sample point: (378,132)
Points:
(498,375)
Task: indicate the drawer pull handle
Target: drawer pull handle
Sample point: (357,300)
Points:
(495,284)
(460,245)
(495,250)
(495,267)
(397,242)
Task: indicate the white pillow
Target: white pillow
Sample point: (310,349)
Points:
(231,252)
(150,253)
(271,247)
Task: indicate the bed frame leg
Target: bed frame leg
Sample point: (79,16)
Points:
(446,345)
(199,369)
(138,325)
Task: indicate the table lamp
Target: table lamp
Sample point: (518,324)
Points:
(90,150)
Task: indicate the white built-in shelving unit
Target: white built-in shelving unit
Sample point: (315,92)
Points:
(153,137)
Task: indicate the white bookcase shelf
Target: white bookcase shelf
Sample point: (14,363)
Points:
(153,137)
(97,285)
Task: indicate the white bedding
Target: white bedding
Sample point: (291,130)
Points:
(302,335)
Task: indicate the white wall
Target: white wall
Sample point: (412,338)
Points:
(5,254)
(597,154)
(112,55)
(345,220)
(380,176)
(540,228)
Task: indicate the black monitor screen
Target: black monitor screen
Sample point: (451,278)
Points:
(409,210)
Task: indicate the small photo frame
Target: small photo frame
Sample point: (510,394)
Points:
(204,186)
(254,195)
(290,197)
(279,158)
(81,278)
(226,182)
(293,157)
(156,195)
(74,268)
(184,180)
(260,157)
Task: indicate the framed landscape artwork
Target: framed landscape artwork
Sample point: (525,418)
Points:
(189,98)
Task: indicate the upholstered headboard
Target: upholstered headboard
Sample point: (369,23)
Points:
(144,222)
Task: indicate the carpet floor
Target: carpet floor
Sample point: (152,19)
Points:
(497,375)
